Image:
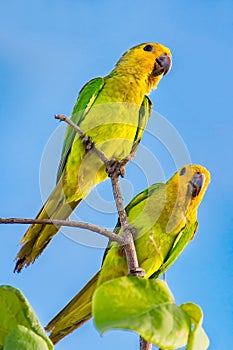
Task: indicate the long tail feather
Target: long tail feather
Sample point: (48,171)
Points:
(38,236)
(74,314)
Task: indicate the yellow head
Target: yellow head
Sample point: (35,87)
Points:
(185,191)
(148,62)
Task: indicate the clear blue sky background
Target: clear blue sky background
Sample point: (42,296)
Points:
(49,49)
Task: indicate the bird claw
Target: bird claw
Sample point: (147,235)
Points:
(114,167)
(86,141)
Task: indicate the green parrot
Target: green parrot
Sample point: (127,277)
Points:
(164,217)
(113,112)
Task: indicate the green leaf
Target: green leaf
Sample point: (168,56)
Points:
(22,338)
(198,339)
(144,306)
(14,311)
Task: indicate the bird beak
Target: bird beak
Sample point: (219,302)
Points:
(196,184)
(162,65)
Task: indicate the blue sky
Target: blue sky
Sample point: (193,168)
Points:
(48,51)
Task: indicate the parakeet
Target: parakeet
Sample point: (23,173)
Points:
(113,112)
(164,217)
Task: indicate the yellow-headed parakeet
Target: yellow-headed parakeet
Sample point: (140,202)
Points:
(113,112)
(165,220)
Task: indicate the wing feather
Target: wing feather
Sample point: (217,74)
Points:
(85,100)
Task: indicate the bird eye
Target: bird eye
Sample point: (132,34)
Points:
(148,48)
(183,171)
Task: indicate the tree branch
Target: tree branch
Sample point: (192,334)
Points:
(114,169)
(102,231)
(128,231)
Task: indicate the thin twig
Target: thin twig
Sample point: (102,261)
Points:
(102,231)
(84,138)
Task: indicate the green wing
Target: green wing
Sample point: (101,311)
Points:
(85,100)
(139,198)
(184,237)
(144,114)
(145,194)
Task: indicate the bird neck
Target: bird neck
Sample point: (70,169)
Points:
(141,72)
(128,87)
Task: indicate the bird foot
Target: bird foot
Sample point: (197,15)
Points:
(86,140)
(114,167)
